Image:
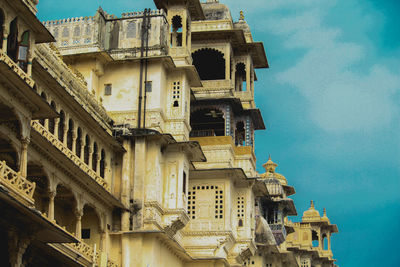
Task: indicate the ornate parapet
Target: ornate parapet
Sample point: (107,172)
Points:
(17,70)
(68,153)
(18,185)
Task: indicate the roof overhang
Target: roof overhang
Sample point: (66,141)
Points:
(257,52)
(194,6)
(41,33)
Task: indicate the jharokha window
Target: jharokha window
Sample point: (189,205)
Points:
(200,200)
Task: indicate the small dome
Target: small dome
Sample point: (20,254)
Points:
(213,10)
(270,167)
(311,215)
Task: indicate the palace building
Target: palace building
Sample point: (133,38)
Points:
(129,141)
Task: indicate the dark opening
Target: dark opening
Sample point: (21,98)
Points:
(43,95)
(12,40)
(240,222)
(61,126)
(86,150)
(78,145)
(35,173)
(52,122)
(85,233)
(70,134)
(240,75)
(207,122)
(210,64)
(8,154)
(240,134)
(102,163)
(1,28)
(184,182)
(272,215)
(94,157)
(107,89)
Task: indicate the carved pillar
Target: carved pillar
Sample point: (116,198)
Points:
(102,245)
(4,41)
(56,122)
(17,245)
(248,72)
(329,241)
(78,226)
(90,156)
(52,195)
(65,133)
(29,64)
(24,156)
(227,63)
(228,120)
(83,144)
(98,163)
(248,131)
(74,137)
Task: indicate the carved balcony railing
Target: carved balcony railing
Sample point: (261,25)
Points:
(18,184)
(14,66)
(211,25)
(68,153)
(202,133)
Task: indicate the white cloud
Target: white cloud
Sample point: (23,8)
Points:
(341,97)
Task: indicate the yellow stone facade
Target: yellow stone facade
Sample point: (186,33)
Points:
(129,141)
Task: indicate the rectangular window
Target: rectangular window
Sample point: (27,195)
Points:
(85,233)
(149,86)
(107,89)
(176,93)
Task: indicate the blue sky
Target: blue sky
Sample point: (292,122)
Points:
(330,103)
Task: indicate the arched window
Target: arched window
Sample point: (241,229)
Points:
(65,32)
(12,40)
(23,50)
(176,31)
(70,134)
(315,240)
(1,28)
(102,163)
(210,64)
(61,126)
(78,145)
(325,242)
(77,31)
(131,30)
(52,122)
(86,150)
(95,157)
(43,95)
(240,75)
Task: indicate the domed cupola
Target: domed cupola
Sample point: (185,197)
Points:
(270,167)
(311,215)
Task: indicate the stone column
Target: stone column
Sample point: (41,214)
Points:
(65,133)
(102,245)
(52,195)
(24,156)
(248,72)
(98,163)
(83,144)
(4,41)
(74,137)
(227,63)
(29,65)
(78,226)
(90,156)
(56,122)
(329,241)
(17,245)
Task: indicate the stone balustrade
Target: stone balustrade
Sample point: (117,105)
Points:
(14,66)
(18,184)
(154,12)
(68,153)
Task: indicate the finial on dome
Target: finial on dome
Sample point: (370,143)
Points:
(312,204)
(241,16)
(270,166)
(325,212)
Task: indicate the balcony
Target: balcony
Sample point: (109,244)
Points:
(279,232)
(68,153)
(20,187)
(7,61)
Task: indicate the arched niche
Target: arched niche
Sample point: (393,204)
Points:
(91,226)
(64,208)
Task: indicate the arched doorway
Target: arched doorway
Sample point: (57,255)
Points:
(36,174)
(64,208)
(210,64)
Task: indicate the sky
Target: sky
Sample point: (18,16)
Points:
(330,103)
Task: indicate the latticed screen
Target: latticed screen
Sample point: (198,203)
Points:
(240,210)
(200,202)
(176,93)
